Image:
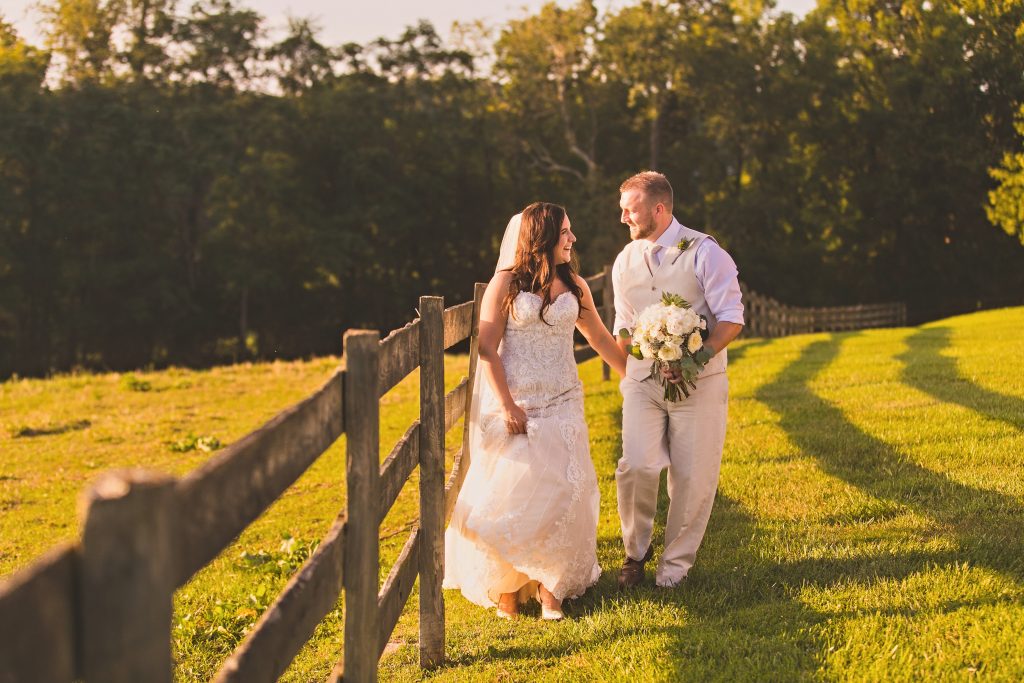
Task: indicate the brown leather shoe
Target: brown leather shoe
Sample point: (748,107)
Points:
(632,571)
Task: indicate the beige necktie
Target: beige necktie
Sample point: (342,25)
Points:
(651,257)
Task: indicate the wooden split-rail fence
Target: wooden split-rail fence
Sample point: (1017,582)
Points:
(100,608)
(766,317)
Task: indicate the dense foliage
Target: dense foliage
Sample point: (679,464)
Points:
(177,187)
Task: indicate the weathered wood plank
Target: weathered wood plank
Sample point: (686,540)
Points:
(455,404)
(226,493)
(399,355)
(433,410)
(362,552)
(284,628)
(395,470)
(458,323)
(37,620)
(127,577)
(397,588)
(583,352)
(607,310)
(454,485)
(474,341)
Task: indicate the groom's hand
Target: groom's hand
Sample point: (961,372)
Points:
(671,374)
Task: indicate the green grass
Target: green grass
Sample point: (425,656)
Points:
(868,524)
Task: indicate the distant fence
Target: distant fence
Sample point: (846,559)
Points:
(766,317)
(100,609)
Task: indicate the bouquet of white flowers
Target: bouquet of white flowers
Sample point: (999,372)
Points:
(671,334)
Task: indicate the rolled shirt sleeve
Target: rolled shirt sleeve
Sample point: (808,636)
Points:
(625,314)
(718,277)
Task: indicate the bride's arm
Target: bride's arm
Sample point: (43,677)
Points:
(596,334)
(492,329)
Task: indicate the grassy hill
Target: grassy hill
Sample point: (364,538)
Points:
(868,524)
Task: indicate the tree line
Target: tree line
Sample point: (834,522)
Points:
(179,187)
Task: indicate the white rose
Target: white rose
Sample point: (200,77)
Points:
(647,351)
(649,317)
(676,325)
(670,352)
(692,319)
(694,343)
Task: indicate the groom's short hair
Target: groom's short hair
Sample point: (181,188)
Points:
(652,184)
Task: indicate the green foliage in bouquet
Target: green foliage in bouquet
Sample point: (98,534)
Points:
(670,299)
(634,349)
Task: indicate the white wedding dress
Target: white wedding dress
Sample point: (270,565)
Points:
(527,512)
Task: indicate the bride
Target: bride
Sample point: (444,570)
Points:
(525,522)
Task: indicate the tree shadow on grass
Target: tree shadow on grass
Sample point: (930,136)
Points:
(736,353)
(985,524)
(748,621)
(743,613)
(743,617)
(928,370)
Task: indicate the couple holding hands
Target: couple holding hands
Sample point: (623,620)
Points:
(525,522)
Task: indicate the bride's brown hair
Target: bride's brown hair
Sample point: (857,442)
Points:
(534,269)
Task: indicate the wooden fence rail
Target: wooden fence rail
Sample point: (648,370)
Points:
(766,317)
(100,609)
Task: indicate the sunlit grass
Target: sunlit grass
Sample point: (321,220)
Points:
(868,524)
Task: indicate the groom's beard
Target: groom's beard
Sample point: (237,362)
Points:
(639,231)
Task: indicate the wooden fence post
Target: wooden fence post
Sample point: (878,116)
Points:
(362,472)
(127,578)
(431,558)
(608,315)
(474,350)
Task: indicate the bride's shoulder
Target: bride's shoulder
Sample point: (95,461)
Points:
(581,282)
(499,284)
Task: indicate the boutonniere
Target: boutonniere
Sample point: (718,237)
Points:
(683,245)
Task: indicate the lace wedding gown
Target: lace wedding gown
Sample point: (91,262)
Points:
(527,512)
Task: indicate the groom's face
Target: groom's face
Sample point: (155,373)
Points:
(638,214)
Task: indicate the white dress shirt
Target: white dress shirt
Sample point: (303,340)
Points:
(715,270)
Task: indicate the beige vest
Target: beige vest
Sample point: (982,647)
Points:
(675,274)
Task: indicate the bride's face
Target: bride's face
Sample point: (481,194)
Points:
(563,250)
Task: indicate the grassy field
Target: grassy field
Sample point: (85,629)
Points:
(868,524)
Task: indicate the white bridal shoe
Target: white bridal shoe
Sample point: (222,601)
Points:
(550,613)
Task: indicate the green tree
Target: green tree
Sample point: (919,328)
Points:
(933,90)
(80,33)
(300,61)
(1006,202)
(220,42)
(643,49)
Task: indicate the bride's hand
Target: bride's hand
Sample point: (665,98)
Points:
(515,419)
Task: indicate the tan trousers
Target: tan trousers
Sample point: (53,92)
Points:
(687,438)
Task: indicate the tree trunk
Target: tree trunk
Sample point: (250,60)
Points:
(243,324)
(655,136)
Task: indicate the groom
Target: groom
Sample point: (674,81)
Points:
(685,436)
